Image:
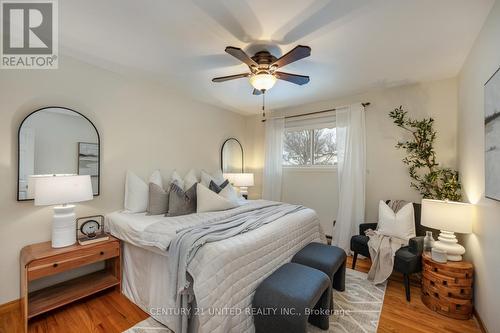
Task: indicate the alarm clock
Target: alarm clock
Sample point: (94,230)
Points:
(90,229)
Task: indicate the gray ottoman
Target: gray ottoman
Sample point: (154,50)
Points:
(289,297)
(329,259)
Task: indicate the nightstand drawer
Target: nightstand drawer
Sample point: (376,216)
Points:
(66,261)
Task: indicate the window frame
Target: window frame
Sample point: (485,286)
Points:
(312,166)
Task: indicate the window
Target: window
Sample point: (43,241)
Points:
(314,146)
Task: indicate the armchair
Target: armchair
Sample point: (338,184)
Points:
(407,260)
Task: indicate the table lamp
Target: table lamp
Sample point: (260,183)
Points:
(62,190)
(448,217)
(241,180)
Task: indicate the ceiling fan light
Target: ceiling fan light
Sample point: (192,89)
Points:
(262,81)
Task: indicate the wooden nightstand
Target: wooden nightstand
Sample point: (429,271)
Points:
(447,288)
(41,260)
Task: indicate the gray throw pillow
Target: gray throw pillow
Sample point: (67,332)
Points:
(158,200)
(181,202)
(217,188)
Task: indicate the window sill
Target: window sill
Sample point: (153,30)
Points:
(310,169)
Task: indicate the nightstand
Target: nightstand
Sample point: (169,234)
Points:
(41,260)
(447,287)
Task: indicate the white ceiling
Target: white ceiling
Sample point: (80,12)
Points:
(356,44)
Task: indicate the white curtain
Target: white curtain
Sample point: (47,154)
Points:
(351,174)
(273,159)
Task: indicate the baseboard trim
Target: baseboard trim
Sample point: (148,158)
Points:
(480,321)
(10,306)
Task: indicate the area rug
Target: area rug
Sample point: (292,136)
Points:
(357,309)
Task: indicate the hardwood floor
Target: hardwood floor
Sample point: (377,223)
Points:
(112,312)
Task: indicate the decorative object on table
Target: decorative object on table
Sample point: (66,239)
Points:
(41,260)
(62,129)
(431,180)
(428,241)
(90,229)
(242,181)
(447,287)
(439,255)
(63,190)
(492,136)
(449,217)
(88,161)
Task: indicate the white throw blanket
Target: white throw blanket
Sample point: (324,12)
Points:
(383,249)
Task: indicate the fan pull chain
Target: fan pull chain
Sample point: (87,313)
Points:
(263,106)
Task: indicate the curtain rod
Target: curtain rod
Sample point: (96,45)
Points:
(318,112)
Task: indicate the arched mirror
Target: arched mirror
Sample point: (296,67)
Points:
(231,156)
(56,140)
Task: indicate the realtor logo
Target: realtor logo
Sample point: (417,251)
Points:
(29,34)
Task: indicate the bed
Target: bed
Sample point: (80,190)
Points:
(224,274)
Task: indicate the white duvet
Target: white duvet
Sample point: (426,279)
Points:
(225,273)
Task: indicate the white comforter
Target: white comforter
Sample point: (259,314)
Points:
(226,273)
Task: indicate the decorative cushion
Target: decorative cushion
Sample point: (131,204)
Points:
(400,224)
(217,188)
(209,201)
(137,191)
(189,180)
(206,178)
(158,200)
(181,202)
(230,193)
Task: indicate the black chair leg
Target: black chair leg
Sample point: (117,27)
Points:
(354,258)
(407,286)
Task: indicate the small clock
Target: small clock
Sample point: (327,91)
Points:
(90,230)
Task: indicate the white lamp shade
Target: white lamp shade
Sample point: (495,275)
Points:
(447,215)
(240,179)
(56,190)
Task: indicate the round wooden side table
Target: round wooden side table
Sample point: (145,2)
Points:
(447,288)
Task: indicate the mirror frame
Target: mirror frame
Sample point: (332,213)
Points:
(19,147)
(222,155)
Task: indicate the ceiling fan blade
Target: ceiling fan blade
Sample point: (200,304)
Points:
(295,54)
(241,55)
(294,78)
(230,77)
(257,92)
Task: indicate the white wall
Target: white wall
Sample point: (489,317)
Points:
(143,126)
(387,177)
(483,246)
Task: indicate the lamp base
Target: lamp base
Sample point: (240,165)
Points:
(448,242)
(244,191)
(64,226)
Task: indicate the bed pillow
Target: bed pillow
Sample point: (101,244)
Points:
(157,200)
(217,188)
(230,193)
(137,191)
(206,178)
(181,202)
(209,201)
(400,224)
(189,180)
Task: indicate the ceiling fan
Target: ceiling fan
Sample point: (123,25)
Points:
(264,68)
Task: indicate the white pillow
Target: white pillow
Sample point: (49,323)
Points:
(400,224)
(136,194)
(155,178)
(209,201)
(206,178)
(137,191)
(229,193)
(189,180)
